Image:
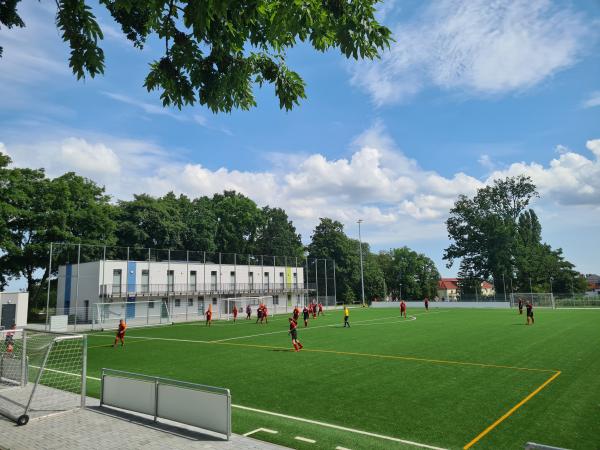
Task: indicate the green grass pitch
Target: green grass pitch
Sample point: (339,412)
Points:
(441,379)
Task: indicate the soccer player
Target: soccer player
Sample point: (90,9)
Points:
(121,333)
(426,304)
(294,333)
(209,316)
(529,307)
(321,309)
(265,314)
(305,315)
(296,314)
(346,316)
(248,312)
(403,309)
(259,313)
(10,335)
(235,313)
(520,306)
(314,310)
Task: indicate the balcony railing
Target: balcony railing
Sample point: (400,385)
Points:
(111,290)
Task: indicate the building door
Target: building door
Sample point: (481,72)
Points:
(86,304)
(9,315)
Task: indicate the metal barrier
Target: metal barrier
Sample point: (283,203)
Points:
(201,406)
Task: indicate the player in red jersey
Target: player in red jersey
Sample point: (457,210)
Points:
(320,308)
(265,314)
(209,316)
(294,333)
(529,307)
(314,310)
(426,304)
(296,314)
(403,309)
(121,333)
(235,313)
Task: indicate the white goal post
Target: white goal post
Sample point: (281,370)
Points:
(136,314)
(243,302)
(41,373)
(538,299)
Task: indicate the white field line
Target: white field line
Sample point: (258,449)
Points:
(338,427)
(377,321)
(303,439)
(341,448)
(266,430)
(298,419)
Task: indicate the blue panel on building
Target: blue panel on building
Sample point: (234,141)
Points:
(68,274)
(131,288)
(130,311)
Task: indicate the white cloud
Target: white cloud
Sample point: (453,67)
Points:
(592,100)
(400,202)
(477,46)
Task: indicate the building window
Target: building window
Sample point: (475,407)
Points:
(213,280)
(145,281)
(251,280)
(267,280)
(215,301)
(116,284)
(193,280)
(177,302)
(170,281)
(295,279)
(281,279)
(150,305)
(232,277)
(276,299)
(190,302)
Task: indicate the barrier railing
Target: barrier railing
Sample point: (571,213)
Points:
(201,406)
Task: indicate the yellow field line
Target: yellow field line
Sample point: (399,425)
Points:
(511,411)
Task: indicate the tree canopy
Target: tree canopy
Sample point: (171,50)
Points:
(215,52)
(495,236)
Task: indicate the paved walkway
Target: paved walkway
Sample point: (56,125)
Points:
(102,428)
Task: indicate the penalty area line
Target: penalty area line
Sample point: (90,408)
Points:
(511,411)
(337,427)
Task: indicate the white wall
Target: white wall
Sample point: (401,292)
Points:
(21,299)
(434,305)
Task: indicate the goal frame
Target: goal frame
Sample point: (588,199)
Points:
(538,299)
(253,301)
(108,314)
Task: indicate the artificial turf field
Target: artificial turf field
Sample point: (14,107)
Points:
(441,379)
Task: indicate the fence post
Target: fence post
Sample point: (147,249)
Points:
(24,366)
(48,295)
(156,399)
(84,371)
(77,285)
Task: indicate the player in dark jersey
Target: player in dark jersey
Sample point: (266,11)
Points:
(259,314)
(529,307)
(294,334)
(520,306)
(403,309)
(426,304)
(305,315)
(248,312)
(314,310)
(121,333)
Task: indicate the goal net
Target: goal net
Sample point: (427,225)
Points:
(42,373)
(136,314)
(242,304)
(539,299)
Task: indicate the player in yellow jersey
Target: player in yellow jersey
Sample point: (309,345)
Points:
(346,316)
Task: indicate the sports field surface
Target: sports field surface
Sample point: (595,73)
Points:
(439,379)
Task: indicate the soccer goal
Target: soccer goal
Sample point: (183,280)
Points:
(242,304)
(136,314)
(41,373)
(539,299)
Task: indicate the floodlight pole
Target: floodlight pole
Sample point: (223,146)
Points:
(504,287)
(362,279)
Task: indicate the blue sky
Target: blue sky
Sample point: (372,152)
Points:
(470,91)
